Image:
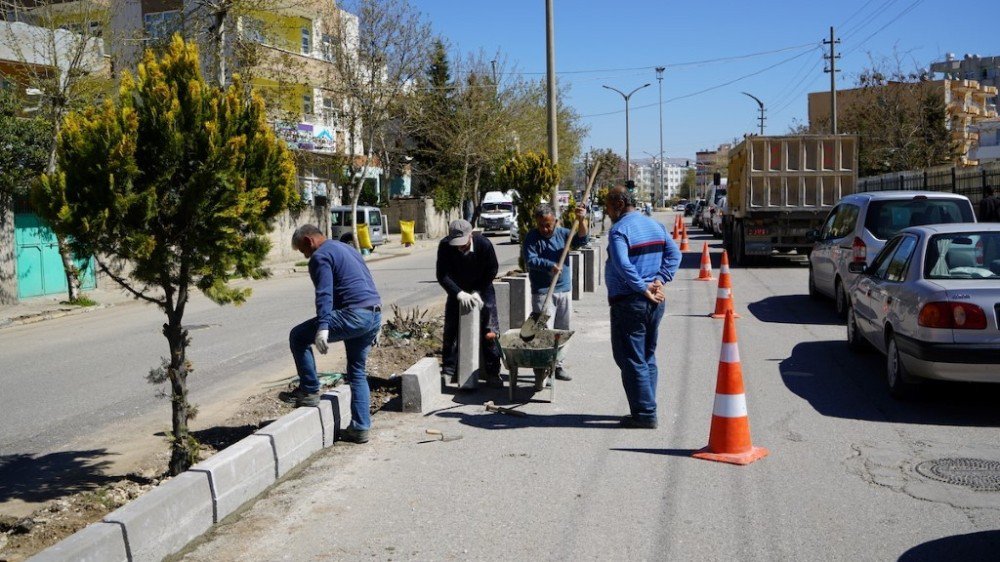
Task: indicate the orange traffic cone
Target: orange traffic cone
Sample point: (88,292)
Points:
(685,242)
(677,222)
(706,265)
(724,297)
(729,437)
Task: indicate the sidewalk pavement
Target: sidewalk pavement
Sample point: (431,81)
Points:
(38,309)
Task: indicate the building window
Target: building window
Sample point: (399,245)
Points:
(307,105)
(306,41)
(160,25)
(327,48)
(253,30)
(331,115)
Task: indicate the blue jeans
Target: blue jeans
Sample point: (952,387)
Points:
(357,328)
(635,323)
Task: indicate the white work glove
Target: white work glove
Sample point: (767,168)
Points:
(466,301)
(320,343)
(477,299)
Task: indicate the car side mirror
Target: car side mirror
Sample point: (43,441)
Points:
(857,267)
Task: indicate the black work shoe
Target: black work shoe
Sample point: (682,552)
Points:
(352,435)
(561,375)
(298,397)
(631,422)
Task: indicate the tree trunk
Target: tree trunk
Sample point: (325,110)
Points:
(69,268)
(184,448)
(220,46)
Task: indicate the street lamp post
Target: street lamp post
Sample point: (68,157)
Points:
(659,78)
(761,104)
(628,165)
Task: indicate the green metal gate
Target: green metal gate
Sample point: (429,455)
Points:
(39,266)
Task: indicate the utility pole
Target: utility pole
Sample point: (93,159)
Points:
(832,57)
(659,78)
(550,74)
(760,104)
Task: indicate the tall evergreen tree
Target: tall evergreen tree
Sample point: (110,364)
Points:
(179,182)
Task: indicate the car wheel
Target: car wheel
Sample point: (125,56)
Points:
(895,371)
(841,298)
(813,290)
(855,341)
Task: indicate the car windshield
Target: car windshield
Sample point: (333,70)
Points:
(886,218)
(497,207)
(963,255)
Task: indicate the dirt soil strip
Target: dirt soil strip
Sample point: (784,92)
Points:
(406,337)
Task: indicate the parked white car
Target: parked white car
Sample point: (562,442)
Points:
(857,228)
(930,301)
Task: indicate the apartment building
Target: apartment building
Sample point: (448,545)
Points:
(286,51)
(707,163)
(985,70)
(967,102)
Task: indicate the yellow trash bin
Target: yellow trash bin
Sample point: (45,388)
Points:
(364,239)
(406,232)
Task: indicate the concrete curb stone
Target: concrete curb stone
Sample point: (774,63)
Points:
(339,400)
(167,518)
(421,385)
(294,437)
(97,542)
(239,473)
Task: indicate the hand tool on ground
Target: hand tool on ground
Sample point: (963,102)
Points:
(538,321)
(442,436)
(491,407)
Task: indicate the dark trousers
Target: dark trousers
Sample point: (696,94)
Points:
(635,324)
(489,351)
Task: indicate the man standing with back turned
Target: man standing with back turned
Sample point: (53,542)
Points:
(348,309)
(641,258)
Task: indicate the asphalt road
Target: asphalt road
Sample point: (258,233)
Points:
(74,401)
(565,483)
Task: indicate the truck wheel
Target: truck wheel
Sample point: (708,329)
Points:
(739,247)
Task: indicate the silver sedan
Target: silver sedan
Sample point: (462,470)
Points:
(930,302)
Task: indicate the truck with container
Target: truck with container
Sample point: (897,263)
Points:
(497,211)
(782,187)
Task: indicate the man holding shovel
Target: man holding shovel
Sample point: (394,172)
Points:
(543,246)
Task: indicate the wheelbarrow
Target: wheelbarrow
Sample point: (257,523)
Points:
(540,354)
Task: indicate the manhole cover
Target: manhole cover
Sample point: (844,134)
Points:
(979,474)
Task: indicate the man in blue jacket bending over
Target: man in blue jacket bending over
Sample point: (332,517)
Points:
(543,246)
(348,309)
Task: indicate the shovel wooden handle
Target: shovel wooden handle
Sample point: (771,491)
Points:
(572,234)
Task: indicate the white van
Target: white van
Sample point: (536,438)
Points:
(340,224)
(497,211)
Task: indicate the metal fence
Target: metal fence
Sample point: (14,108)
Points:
(967,181)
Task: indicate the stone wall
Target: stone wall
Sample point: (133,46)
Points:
(430,223)
(286,223)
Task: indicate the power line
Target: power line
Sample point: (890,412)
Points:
(908,9)
(856,12)
(870,19)
(710,88)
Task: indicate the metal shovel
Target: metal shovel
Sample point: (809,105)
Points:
(537,322)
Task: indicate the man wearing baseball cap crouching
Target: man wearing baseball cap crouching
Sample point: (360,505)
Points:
(466,267)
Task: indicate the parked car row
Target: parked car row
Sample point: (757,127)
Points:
(918,280)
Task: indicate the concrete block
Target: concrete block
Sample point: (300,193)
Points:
(99,542)
(239,473)
(165,519)
(421,386)
(327,421)
(589,270)
(339,401)
(520,300)
(575,260)
(502,290)
(295,437)
(468,348)
(599,260)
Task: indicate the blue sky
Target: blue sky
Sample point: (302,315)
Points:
(619,43)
